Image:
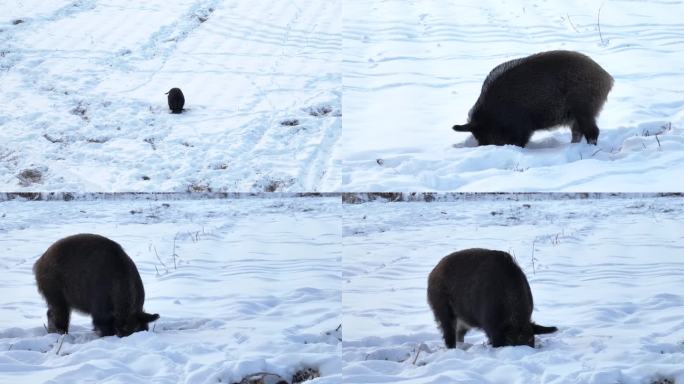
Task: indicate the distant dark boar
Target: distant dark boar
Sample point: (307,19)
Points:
(479,288)
(92,274)
(537,92)
(176,100)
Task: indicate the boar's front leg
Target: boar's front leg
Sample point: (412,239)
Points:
(58,319)
(586,124)
(103,320)
(104,326)
(58,312)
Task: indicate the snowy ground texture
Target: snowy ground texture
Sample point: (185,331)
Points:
(413,69)
(607,272)
(82,105)
(254,287)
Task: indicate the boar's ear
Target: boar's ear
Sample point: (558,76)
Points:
(148,318)
(462,128)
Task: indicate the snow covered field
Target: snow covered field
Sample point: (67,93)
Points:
(607,272)
(82,103)
(254,287)
(413,69)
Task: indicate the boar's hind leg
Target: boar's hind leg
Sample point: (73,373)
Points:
(576,133)
(445,318)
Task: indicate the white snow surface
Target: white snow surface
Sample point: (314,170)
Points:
(413,69)
(607,272)
(255,288)
(82,99)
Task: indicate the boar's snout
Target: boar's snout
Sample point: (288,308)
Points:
(136,323)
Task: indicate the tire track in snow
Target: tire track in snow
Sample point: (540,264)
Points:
(244,70)
(270,83)
(320,167)
(71,89)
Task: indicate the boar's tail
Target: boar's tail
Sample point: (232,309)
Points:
(539,329)
(462,128)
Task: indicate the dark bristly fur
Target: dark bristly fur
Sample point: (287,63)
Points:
(484,289)
(92,274)
(176,100)
(537,92)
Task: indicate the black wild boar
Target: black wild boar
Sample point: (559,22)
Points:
(92,274)
(480,288)
(176,100)
(537,92)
